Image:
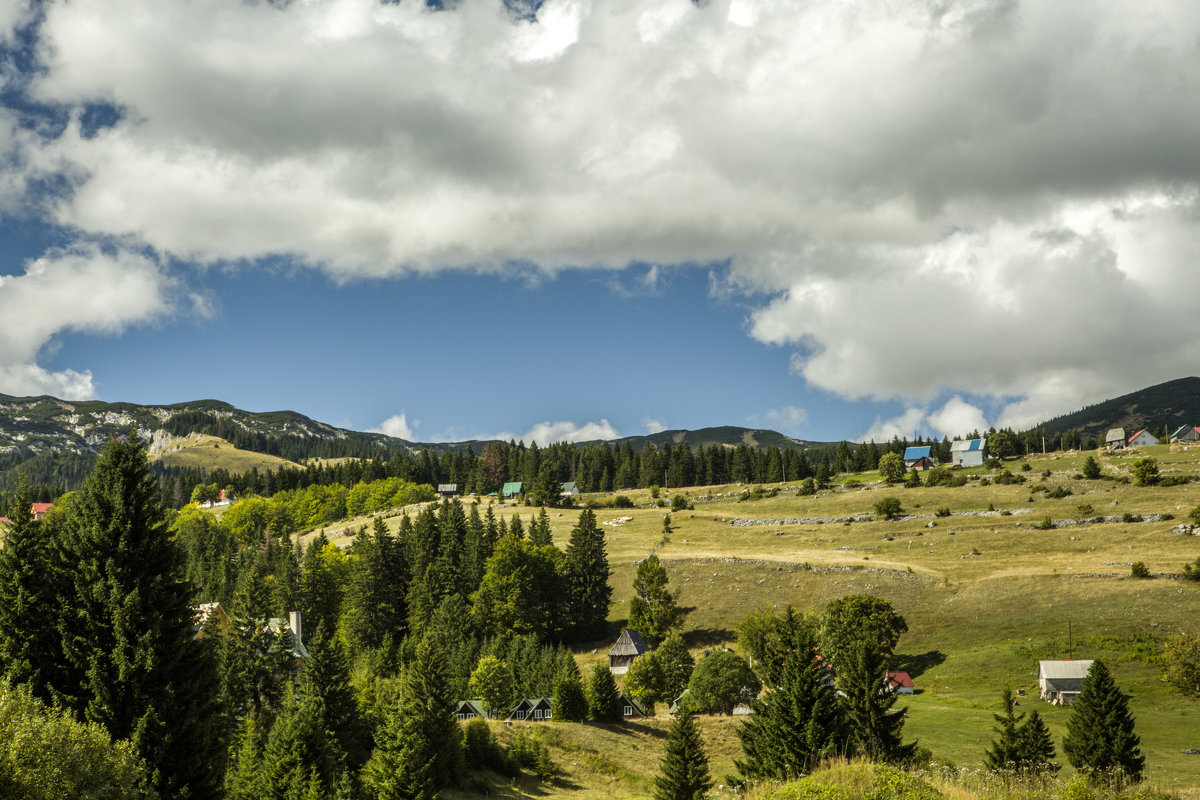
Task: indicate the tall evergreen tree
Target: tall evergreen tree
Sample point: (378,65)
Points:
(418,744)
(378,584)
(684,772)
(1037,748)
(570,702)
(1006,752)
(676,664)
(798,724)
(539,531)
(603,699)
(127,627)
(29,647)
(587,577)
(875,729)
(1100,739)
(327,683)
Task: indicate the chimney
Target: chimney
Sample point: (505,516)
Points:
(294,624)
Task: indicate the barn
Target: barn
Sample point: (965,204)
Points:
(968,452)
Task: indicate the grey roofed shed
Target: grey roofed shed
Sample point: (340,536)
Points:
(1115,438)
(629,646)
(1059,681)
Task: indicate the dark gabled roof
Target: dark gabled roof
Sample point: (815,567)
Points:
(1115,435)
(469,707)
(916,453)
(629,643)
(630,701)
(569,487)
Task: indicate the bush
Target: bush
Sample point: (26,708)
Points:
(943,511)
(1059,492)
(1174,480)
(888,508)
(1006,478)
(1139,570)
(1190,572)
(532,755)
(1127,517)
(654,492)
(1085,510)
(1145,470)
(857,781)
(621,501)
(807,487)
(1025,467)
(679,503)
(1045,525)
(482,751)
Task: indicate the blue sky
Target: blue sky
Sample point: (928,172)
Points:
(834,220)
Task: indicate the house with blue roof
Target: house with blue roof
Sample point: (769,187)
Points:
(968,452)
(919,457)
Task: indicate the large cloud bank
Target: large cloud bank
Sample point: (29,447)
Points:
(990,197)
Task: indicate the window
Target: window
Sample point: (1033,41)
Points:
(629,711)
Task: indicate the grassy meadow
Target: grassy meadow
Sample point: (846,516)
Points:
(984,596)
(201,451)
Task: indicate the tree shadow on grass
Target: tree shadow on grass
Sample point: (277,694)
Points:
(914,665)
(707,637)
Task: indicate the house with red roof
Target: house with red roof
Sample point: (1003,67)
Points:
(39,510)
(1142,438)
(900,683)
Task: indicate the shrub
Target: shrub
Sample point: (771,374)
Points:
(679,503)
(1006,478)
(943,511)
(912,479)
(1045,474)
(1045,525)
(654,490)
(1085,510)
(532,755)
(1174,480)
(621,501)
(1139,570)
(888,508)
(1192,572)
(1059,492)
(1145,470)
(1025,467)
(807,487)
(1127,517)
(1091,468)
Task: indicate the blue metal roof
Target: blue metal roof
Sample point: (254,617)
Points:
(975,444)
(914,453)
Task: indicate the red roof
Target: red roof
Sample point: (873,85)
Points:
(1139,433)
(41,508)
(899,680)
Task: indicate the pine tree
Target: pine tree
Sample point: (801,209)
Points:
(684,772)
(418,744)
(378,584)
(327,683)
(797,724)
(587,577)
(29,647)
(1037,748)
(570,702)
(300,757)
(875,729)
(539,532)
(1100,738)
(127,627)
(1006,753)
(603,699)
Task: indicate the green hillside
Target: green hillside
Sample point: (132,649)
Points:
(1169,404)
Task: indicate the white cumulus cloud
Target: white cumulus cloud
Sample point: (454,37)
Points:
(86,289)
(987,198)
(397,425)
(653,425)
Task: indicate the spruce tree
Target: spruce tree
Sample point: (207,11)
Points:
(327,683)
(1006,752)
(570,702)
(539,532)
(128,627)
(684,772)
(378,584)
(603,699)
(587,577)
(797,724)
(1100,739)
(29,646)
(874,728)
(1037,748)
(418,744)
